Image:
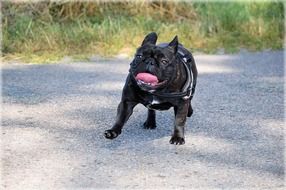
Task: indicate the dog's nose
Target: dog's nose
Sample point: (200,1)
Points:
(150,62)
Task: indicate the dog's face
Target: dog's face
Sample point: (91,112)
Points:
(153,67)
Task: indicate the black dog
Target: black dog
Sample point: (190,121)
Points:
(160,76)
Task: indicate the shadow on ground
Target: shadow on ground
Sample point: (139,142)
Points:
(234,138)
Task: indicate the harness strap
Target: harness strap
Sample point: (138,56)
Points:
(188,89)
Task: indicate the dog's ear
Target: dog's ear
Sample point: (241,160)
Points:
(150,39)
(173,45)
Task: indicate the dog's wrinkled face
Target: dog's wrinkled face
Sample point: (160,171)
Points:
(153,66)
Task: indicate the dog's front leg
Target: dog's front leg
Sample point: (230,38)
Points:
(181,112)
(124,111)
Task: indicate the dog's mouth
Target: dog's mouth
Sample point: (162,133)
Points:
(148,80)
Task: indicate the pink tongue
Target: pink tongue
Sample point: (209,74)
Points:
(147,77)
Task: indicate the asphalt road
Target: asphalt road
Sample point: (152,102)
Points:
(54,116)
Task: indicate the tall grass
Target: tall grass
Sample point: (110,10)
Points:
(48,31)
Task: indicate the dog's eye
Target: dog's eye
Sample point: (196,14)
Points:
(164,61)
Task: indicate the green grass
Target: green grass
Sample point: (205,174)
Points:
(83,29)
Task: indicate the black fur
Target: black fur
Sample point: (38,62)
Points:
(164,62)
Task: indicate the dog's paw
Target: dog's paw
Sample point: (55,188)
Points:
(149,125)
(111,134)
(177,140)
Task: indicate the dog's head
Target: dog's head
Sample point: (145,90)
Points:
(154,66)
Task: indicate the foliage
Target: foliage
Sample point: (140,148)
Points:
(48,31)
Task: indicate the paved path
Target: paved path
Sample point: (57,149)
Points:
(53,118)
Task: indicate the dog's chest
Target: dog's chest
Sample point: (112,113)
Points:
(155,103)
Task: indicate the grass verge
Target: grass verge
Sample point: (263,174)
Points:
(48,31)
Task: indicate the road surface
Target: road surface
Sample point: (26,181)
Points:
(54,116)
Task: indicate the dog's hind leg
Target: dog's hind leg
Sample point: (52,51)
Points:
(190,109)
(150,122)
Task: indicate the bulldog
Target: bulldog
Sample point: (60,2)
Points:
(160,77)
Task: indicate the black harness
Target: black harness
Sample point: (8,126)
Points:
(189,87)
